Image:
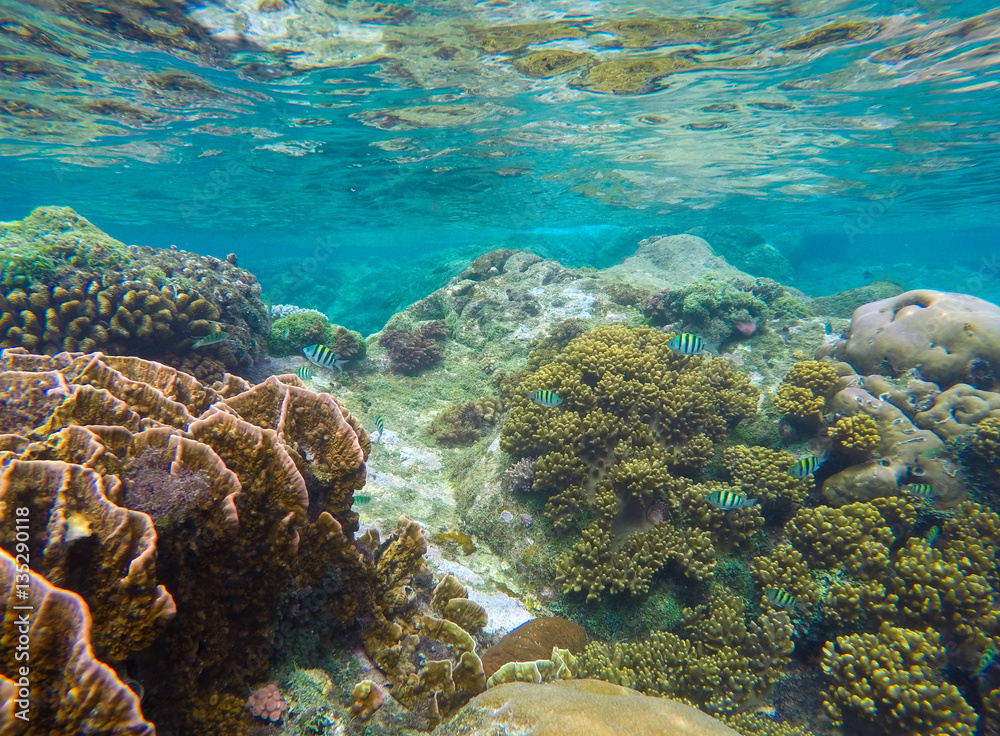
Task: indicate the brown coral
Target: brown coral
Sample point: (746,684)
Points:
(69,286)
(64,689)
(803,392)
(226,495)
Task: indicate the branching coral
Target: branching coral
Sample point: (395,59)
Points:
(857,435)
(634,415)
(890,683)
(718,661)
(806,387)
(412,350)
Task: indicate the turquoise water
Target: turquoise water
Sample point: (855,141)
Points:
(533,420)
(280,135)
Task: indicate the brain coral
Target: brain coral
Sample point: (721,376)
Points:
(155,497)
(66,285)
(948,338)
(634,417)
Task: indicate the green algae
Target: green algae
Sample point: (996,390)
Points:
(551,63)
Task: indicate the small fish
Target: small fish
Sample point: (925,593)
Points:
(727,500)
(933,534)
(322,356)
(921,490)
(896,422)
(912,439)
(545,397)
(304,372)
(284,335)
(379,425)
(212,339)
(985,661)
(781,598)
(686,344)
(362,499)
(806,466)
(933,452)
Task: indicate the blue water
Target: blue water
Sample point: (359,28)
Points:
(321,151)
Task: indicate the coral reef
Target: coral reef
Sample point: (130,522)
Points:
(568,707)
(534,640)
(719,661)
(67,286)
(62,688)
(889,682)
(633,414)
(430,661)
(463,424)
(411,350)
(714,307)
(948,338)
(803,393)
(247,499)
(293,332)
(857,435)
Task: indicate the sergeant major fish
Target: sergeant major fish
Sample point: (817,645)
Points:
(727,500)
(806,466)
(545,398)
(322,356)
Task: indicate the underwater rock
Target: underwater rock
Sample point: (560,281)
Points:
(68,286)
(673,261)
(573,707)
(949,338)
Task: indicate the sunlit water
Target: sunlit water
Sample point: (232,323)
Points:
(362,136)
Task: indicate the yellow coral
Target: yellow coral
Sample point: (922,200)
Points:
(890,683)
(858,434)
(634,416)
(803,392)
(718,661)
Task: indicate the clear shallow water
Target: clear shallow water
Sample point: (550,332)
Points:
(383,133)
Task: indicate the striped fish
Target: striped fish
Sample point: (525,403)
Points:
(727,500)
(212,339)
(781,598)
(362,499)
(545,397)
(322,356)
(379,425)
(304,372)
(686,344)
(985,661)
(921,490)
(806,466)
